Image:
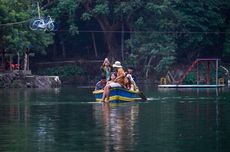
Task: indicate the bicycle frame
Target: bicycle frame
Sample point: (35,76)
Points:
(46,24)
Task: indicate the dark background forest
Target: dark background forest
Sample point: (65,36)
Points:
(153,36)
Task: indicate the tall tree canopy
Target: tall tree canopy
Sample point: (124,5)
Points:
(177,31)
(157,32)
(109,15)
(146,33)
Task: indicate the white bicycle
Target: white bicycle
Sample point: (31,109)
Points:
(46,24)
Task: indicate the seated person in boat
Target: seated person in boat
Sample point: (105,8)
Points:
(101,84)
(130,83)
(118,82)
(112,78)
(130,71)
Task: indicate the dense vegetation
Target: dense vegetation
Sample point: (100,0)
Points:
(15,35)
(149,34)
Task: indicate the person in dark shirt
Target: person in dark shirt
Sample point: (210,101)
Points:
(101,84)
(130,71)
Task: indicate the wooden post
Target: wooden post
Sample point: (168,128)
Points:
(25,61)
(28,62)
(18,60)
(10,62)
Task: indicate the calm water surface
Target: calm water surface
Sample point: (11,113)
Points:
(68,120)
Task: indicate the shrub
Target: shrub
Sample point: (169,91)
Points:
(63,71)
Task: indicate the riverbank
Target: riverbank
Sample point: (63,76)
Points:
(21,79)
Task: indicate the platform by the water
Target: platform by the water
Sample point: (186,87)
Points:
(190,86)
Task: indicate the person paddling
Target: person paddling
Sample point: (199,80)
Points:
(118,82)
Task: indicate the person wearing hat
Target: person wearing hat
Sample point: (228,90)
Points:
(118,82)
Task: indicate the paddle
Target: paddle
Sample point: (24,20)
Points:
(141,94)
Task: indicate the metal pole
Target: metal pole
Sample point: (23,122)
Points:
(197,73)
(208,74)
(217,65)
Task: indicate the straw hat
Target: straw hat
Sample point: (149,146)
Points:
(117,64)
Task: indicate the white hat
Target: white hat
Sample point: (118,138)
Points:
(117,64)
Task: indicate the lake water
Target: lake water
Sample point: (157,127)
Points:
(69,120)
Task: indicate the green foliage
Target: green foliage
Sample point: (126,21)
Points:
(101,9)
(226,52)
(199,24)
(154,48)
(17,37)
(177,30)
(164,63)
(159,32)
(63,71)
(190,78)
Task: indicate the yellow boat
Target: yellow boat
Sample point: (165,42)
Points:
(118,95)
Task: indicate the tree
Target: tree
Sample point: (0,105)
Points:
(108,14)
(15,33)
(179,30)
(225,5)
(200,24)
(152,44)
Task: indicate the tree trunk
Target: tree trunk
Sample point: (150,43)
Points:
(94,44)
(112,46)
(110,38)
(54,50)
(63,49)
(107,27)
(148,67)
(26,62)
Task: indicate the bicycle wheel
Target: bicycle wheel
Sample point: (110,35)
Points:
(34,24)
(50,26)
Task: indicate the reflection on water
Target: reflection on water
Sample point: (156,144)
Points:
(119,122)
(67,119)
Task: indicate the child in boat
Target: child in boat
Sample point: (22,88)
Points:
(130,83)
(118,82)
(112,78)
(106,68)
(101,84)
